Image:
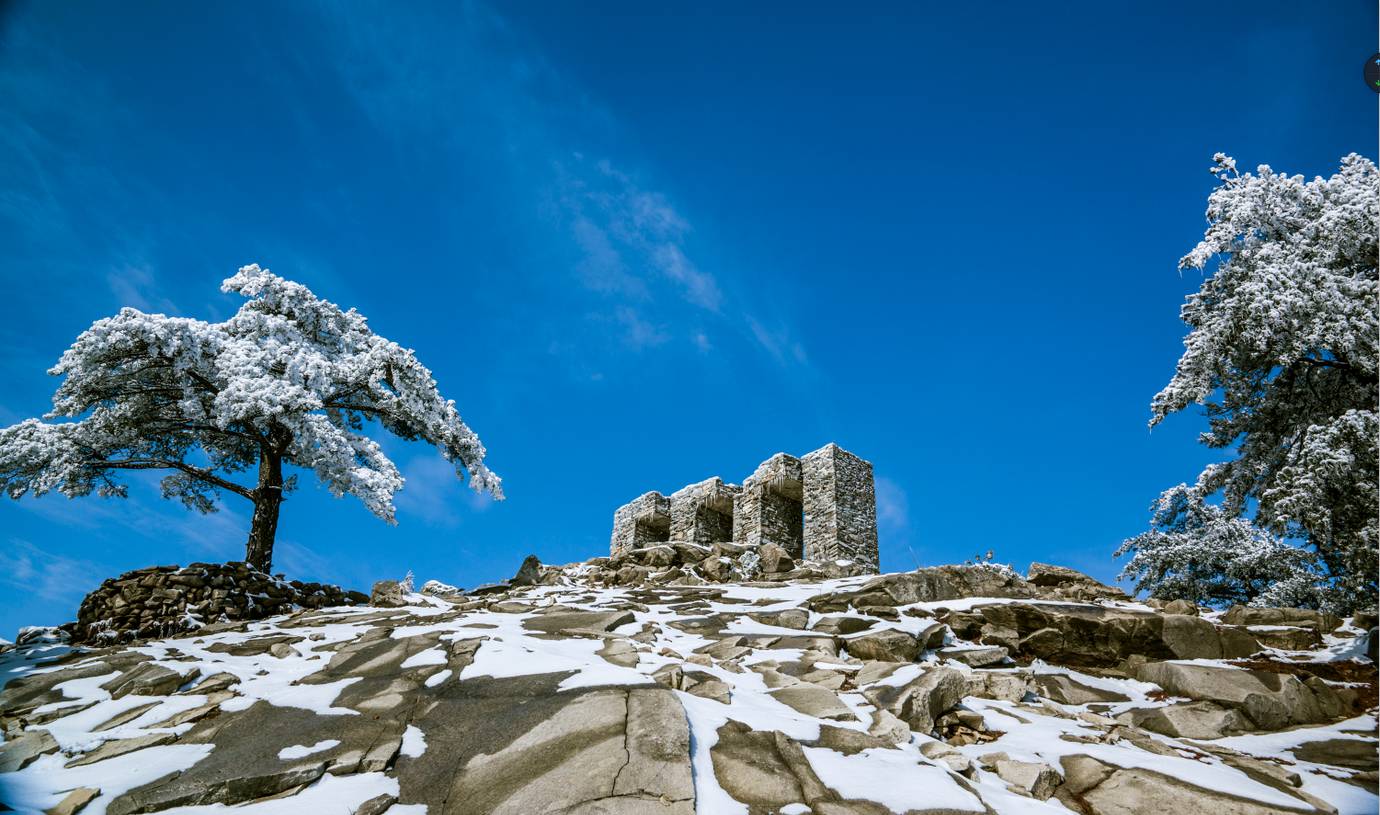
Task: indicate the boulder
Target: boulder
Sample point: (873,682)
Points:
(1082,635)
(1190,636)
(1286,638)
(888,644)
(979,657)
(529,573)
(842,624)
(20,752)
(1180,607)
(558,621)
(74,801)
(928,585)
(773,559)
(1270,701)
(923,699)
(1319,621)
(813,700)
(1076,635)
(789,618)
(1358,754)
(1066,690)
(1038,780)
(1097,788)
(147,679)
(1062,583)
(765,770)
(1009,686)
(604,750)
(888,727)
(387,594)
(1192,720)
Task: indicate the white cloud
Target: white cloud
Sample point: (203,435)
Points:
(633,239)
(778,342)
(639,333)
(474,84)
(27,568)
(432,493)
(135,285)
(893,509)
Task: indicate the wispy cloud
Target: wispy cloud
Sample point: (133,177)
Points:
(632,247)
(635,222)
(778,341)
(434,495)
(25,567)
(137,286)
(893,508)
(145,514)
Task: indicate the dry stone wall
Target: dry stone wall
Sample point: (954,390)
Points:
(163,600)
(821,507)
(840,507)
(769,509)
(643,521)
(703,512)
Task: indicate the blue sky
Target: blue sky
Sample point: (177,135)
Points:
(642,244)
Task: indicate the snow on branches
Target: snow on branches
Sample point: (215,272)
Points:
(1196,551)
(290,378)
(1282,356)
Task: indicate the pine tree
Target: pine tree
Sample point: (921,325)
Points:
(1282,356)
(290,379)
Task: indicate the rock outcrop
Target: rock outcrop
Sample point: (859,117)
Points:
(968,689)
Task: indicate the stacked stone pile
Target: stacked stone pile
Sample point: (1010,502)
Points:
(163,600)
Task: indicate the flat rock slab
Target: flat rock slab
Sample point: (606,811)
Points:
(147,679)
(590,620)
(974,657)
(814,700)
(598,750)
(244,764)
(1103,789)
(1066,690)
(20,752)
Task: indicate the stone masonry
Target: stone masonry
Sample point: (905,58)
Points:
(840,507)
(646,519)
(703,512)
(821,506)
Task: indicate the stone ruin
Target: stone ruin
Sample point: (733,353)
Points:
(821,507)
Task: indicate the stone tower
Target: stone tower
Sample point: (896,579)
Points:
(821,506)
(840,507)
(642,521)
(769,509)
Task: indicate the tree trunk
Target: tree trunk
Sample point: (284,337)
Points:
(268,497)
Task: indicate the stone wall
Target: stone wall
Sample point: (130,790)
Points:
(644,520)
(820,507)
(840,507)
(703,512)
(769,508)
(164,600)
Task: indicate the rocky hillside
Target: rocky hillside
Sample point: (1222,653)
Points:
(944,690)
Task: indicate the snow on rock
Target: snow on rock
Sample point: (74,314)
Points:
(678,699)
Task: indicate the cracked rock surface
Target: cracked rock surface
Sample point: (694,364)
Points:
(955,689)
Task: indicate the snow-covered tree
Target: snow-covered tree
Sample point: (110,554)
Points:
(290,379)
(1282,356)
(1197,551)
